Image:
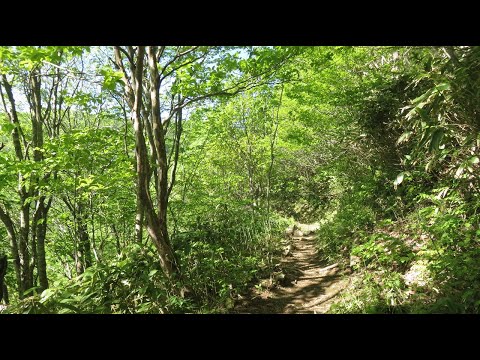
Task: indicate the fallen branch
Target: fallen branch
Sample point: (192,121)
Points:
(329,267)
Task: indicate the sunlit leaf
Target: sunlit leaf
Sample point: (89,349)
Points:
(474,160)
(404,137)
(459,172)
(153,272)
(399,179)
(429,165)
(442,87)
(443,193)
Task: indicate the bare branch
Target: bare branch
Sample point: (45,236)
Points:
(13,116)
(160,52)
(178,134)
(122,50)
(129,96)
(175,58)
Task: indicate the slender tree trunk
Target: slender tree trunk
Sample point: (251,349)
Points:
(272,156)
(162,239)
(12,235)
(155,216)
(25,276)
(117,239)
(84,252)
(176,152)
(139,215)
(92,222)
(130,86)
(41,211)
(3,271)
(41,231)
(19,240)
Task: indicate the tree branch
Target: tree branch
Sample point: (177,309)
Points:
(175,58)
(178,134)
(7,221)
(13,116)
(181,66)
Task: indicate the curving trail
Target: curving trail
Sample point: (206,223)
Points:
(304,285)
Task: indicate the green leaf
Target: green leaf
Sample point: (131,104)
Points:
(422,112)
(151,273)
(31,290)
(442,87)
(46,294)
(436,138)
(422,97)
(67,307)
(111,78)
(6,127)
(474,160)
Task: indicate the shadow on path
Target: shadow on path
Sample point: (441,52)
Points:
(308,285)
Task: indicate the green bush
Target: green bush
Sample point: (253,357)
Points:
(221,258)
(131,283)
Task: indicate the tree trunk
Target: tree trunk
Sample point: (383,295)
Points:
(12,235)
(84,245)
(155,216)
(139,215)
(26,276)
(167,256)
(272,157)
(84,250)
(41,232)
(156,223)
(3,270)
(19,241)
(41,211)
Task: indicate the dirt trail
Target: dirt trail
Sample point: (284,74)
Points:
(305,284)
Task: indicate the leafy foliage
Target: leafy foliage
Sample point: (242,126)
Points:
(380,145)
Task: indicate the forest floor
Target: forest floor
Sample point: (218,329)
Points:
(303,284)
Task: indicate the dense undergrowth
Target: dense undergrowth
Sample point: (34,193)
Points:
(215,268)
(419,252)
